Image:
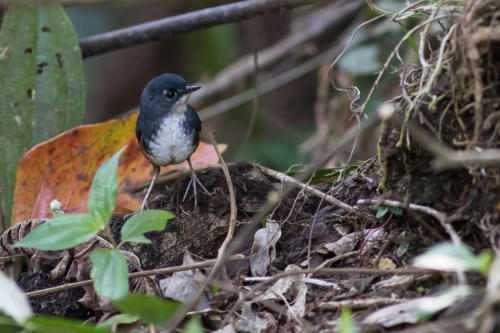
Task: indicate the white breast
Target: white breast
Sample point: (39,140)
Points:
(171,145)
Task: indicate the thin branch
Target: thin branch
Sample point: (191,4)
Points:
(11,257)
(222,255)
(446,158)
(443,219)
(166,27)
(158,271)
(307,188)
(360,303)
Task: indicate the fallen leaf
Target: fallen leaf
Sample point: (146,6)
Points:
(294,285)
(265,239)
(182,286)
(386,263)
(63,167)
(416,309)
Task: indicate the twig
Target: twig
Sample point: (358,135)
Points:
(158,271)
(222,254)
(14,256)
(307,188)
(446,158)
(443,219)
(337,258)
(316,282)
(160,29)
(360,303)
(309,240)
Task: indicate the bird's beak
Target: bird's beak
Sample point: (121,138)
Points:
(190,89)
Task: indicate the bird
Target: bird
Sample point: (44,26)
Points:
(168,128)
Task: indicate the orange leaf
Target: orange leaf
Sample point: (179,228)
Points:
(62,168)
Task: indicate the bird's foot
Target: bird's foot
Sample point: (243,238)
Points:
(192,184)
(144,206)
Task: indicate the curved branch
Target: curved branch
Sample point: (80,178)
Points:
(166,27)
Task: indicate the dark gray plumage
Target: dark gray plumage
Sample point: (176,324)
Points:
(168,129)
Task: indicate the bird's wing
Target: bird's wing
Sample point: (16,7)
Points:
(193,121)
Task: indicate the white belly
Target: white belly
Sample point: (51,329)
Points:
(171,145)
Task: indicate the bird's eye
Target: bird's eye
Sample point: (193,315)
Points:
(170,94)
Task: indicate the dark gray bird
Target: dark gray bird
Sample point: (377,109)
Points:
(168,129)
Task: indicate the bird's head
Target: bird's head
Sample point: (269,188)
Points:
(167,93)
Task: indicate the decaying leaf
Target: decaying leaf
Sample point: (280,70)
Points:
(291,285)
(417,309)
(63,167)
(182,286)
(250,321)
(264,248)
(348,242)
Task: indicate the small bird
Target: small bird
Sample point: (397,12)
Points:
(168,129)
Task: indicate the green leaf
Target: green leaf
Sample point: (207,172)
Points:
(151,309)
(42,90)
(148,220)
(104,189)
(452,258)
(60,325)
(381,211)
(119,319)
(110,273)
(12,300)
(9,325)
(62,232)
(346,324)
(396,211)
(194,326)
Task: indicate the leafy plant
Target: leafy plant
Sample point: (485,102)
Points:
(383,210)
(42,86)
(109,267)
(454,258)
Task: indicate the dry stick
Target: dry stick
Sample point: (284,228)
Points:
(307,188)
(158,271)
(163,28)
(360,303)
(443,219)
(14,256)
(222,254)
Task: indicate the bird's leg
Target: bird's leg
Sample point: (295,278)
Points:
(192,183)
(156,172)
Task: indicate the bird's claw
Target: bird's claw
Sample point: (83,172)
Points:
(192,184)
